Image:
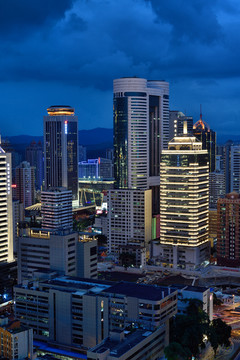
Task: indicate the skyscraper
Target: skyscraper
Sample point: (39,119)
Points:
(34,155)
(202,131)
(235,168)
(56,209)
(141,131)
(176,120)
(6,225)
(61,149)
(25,182)
(184,202)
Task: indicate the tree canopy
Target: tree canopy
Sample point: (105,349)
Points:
(187,332)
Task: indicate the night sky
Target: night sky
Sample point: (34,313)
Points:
(68,52)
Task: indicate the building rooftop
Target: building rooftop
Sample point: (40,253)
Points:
(57,110)
(146,292)
(199,289)
(117,349)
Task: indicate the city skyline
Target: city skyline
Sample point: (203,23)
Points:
(70,54)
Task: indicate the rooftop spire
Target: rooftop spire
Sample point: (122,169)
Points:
(200,111)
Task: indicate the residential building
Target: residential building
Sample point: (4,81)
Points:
(129,218)
(202,131)
(25,184)
(184,203)
(6,218)
(235,168)
(56,209)
(16,340)
(176,120)
(228,230)
(213,226)
(34,155)
(61,149)
(216,187)
(76,313)
(18,216)
(227,165)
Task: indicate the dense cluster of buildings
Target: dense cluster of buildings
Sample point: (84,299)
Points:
(166,185)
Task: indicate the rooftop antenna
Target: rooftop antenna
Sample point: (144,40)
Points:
(200,111)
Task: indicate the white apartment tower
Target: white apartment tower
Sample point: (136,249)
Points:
(141,132)
(184,203)
(130,216)
(56,209)
(6,221)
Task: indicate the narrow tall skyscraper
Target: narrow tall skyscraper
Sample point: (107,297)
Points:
(34,155)
(184,197)
(141,131)
(61,149)
(202,131)
(6,225)
(25,182)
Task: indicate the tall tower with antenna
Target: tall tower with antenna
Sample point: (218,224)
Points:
(203,132)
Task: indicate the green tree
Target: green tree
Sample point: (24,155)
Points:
(176,351)
(222,332)
(188,331)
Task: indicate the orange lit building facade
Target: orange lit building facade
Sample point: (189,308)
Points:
(228,235)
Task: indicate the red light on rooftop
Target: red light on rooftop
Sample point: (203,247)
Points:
(14,186)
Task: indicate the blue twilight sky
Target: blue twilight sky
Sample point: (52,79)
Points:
(69,51)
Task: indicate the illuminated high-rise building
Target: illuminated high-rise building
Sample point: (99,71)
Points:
(56,209)
(141,132)
(61,149)
(184,203)
(6,221)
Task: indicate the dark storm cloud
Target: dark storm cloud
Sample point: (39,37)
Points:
(18,17)
(194,20)
(97,40)
(85,44)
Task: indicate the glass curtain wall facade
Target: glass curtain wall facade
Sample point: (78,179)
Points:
(61,149)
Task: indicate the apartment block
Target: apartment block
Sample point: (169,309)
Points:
(129,218)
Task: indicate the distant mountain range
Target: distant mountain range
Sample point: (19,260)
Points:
(86,137)
(96,140)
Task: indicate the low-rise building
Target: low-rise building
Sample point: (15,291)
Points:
(140,344)
(186,292)
(16,341)
(87,257)
(44,250)
(79,313)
